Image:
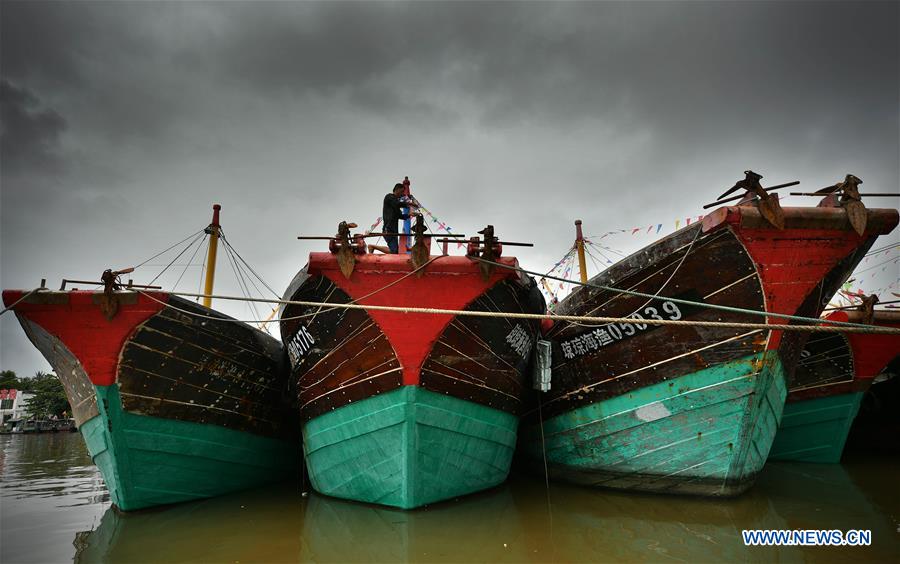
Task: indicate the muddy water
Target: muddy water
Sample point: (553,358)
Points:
(54,508)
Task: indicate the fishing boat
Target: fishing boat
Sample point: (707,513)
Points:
(833,374)
(175,400)
(878,419)
(406,409)
(684,408)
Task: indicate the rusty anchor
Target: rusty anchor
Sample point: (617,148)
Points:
(344,248)
(754,192)
(109,302)
(850,200)
(490,250)
(867,307)
(419,252)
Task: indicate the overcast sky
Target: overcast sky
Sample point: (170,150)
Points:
(122,123)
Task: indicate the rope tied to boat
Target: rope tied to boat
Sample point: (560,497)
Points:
(820,325)
(680,301)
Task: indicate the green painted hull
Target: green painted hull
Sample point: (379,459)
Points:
(408,447)
(815,430)
(148,461)
(704,433)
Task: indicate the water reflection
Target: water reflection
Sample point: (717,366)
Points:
(50,490)
(55,508)
(252,526)
(512,523)
(486,526)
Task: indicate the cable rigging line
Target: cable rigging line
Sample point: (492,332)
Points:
(245,290)
(887,247)
(594,260)
(246,276)
(661,288)
(250,268)
(167,250)
(597,248)
(857,272)
(191,260)
(200,234)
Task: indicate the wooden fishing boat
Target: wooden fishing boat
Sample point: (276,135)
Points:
(405,409)
(877,423)
(688,409)
(833,374)
(175,400)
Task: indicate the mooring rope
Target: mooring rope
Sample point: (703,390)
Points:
(820,325)
(326,306)
(729,309)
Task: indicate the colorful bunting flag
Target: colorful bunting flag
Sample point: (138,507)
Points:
(374,225)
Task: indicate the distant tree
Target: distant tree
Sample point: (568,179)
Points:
(49,397)
(8,380)
(26,384)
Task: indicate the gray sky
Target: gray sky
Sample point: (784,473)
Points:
(122,123)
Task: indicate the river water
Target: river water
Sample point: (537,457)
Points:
(55,508)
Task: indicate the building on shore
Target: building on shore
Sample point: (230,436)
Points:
(13,405)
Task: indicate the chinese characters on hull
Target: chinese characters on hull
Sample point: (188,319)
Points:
(609,334)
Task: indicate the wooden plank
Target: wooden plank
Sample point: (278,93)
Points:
(216,372)
(615,359)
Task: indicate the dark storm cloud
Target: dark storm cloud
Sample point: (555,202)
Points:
(574,60)
(667,64)
(29,135)
(808,78)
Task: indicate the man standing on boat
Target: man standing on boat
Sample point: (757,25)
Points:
(391,213)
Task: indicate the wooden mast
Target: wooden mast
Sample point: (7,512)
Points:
(213,231)
(579,246)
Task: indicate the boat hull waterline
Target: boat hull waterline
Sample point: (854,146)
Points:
(690,410)
(833,375)
(172,407)
(401,409)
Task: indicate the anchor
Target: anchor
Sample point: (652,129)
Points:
(109,302)
(850,200)
(419,252)
(846,194)
(867,307)
(488,253)
(754,193)
(344,248)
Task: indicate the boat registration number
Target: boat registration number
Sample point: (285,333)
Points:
(519,340)
(612,333)
(300,344)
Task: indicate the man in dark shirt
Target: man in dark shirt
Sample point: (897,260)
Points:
(391,213)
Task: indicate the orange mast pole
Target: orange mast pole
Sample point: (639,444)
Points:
(579,246)
(213,231)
